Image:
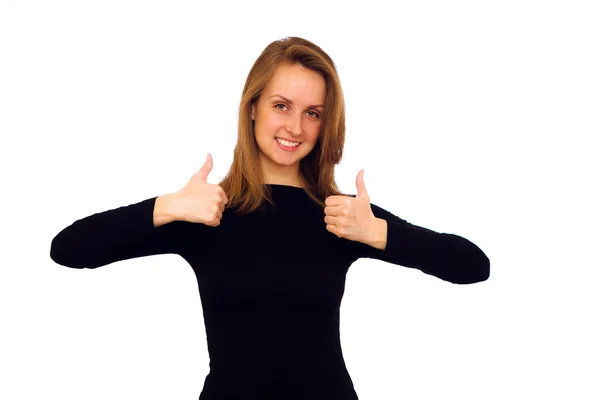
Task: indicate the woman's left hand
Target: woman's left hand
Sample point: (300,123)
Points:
(351,217)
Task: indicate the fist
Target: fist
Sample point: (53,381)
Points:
(199,201)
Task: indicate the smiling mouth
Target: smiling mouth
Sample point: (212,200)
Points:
(287,140)
(286,148)
(280,143)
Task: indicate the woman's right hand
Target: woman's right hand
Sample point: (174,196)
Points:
(199,201)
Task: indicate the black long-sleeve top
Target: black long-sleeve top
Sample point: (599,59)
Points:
(271,284)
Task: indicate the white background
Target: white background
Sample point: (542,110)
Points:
(472,118)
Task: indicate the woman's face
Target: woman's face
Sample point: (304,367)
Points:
(290,108)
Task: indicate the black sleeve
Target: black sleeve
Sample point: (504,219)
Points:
(446,256)
(120,234)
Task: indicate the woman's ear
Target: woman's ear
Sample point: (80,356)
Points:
(252,111)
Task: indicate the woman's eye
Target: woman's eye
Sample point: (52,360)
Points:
(316,115)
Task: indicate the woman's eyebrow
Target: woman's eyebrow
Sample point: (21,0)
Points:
(291,102)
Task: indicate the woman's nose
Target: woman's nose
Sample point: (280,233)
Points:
(295,125)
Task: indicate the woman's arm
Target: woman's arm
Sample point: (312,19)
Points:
(444,255)
(137,230)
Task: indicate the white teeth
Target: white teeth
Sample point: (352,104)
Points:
(286,143)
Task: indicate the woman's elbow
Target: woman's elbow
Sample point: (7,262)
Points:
(478,270)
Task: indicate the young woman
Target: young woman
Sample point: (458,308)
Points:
(271,244)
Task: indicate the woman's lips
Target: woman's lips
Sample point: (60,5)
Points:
(286,148)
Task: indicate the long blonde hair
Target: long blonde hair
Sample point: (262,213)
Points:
(244,181)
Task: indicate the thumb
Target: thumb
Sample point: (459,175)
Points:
(202,174)
(361,189)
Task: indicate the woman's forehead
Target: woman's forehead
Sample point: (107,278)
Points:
(297,85)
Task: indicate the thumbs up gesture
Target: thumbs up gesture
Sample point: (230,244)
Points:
(199,201)
(351,217)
